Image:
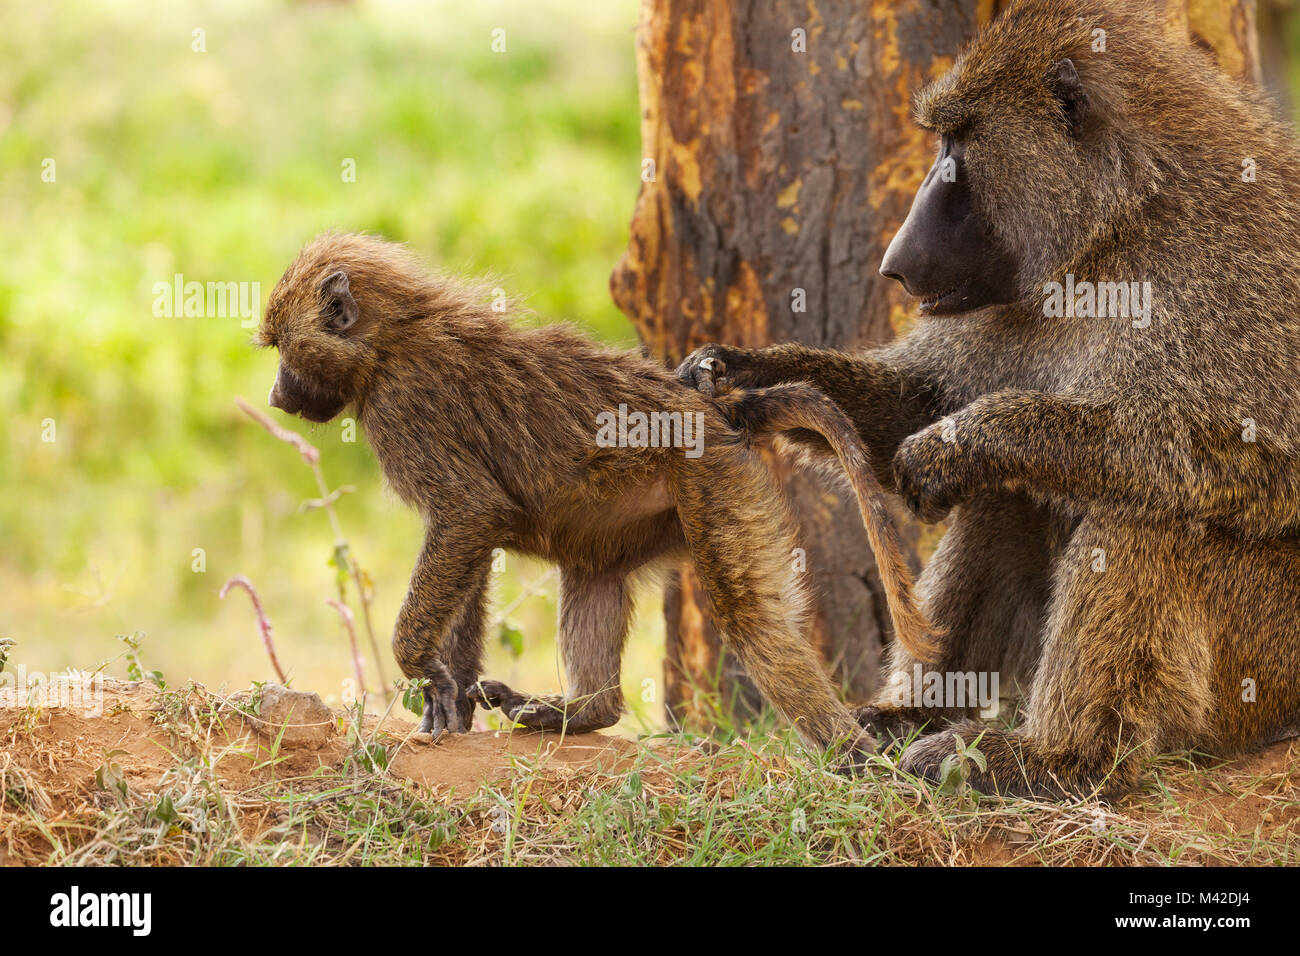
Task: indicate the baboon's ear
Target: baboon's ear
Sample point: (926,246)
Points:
(341,310)
(1063,80)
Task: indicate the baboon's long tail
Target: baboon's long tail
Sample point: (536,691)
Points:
(796,406)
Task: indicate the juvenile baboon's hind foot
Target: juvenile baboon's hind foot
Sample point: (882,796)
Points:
(548,712)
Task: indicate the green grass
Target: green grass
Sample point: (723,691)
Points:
(206,793)
(219,165)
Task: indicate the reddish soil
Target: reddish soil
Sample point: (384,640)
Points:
(138,739)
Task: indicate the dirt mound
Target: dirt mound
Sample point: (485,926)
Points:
(123,773)
(129,733)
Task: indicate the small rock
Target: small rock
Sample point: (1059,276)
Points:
(302,715)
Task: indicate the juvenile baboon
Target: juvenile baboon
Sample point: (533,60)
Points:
(494,433)
(1104,386)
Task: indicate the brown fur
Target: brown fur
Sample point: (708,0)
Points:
(1084,444)
(798,407)
(489,430)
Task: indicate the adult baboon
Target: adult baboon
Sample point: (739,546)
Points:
(497,435)
(1104,388)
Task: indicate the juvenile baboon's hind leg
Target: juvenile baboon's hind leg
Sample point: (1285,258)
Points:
(739,536)
(595,610)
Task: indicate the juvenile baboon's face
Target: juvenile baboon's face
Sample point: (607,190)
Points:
(300,396)
(313,323)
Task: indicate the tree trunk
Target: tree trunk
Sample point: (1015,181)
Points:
(1274,31)
(779,159)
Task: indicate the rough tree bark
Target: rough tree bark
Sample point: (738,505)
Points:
(779,159)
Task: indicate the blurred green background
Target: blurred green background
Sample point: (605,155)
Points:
(219,165)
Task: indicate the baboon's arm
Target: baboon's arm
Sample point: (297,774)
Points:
(450,571)
(1140,459)
(885,402)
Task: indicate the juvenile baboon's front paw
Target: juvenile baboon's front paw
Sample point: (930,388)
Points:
(447,708)
(492,694)
(932,471)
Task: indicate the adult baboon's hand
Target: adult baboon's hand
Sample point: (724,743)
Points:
(933,471)
(713,369)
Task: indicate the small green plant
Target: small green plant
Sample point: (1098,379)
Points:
(413,695)
(164,810)
(954,771)
(254,700)
(511,638)
(111,777)
(366,755)
(134,665)
(6,645)
(632,785)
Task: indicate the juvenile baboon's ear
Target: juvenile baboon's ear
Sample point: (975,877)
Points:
(340,308)
(1063,80)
